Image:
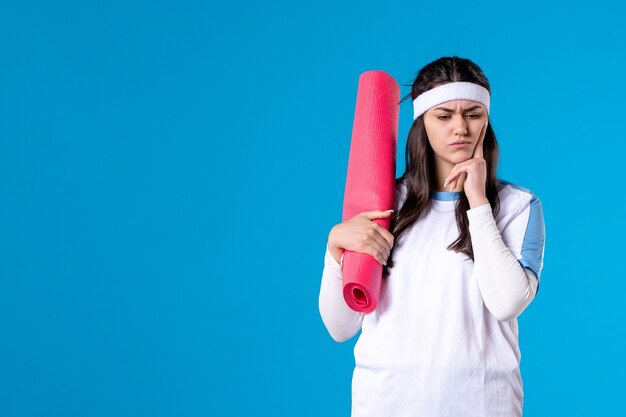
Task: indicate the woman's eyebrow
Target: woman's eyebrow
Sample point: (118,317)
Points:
(450,110)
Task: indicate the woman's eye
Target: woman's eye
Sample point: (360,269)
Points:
(472,116)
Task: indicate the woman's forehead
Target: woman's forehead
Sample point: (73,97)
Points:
(459,105)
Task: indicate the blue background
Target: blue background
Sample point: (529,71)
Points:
(169,173)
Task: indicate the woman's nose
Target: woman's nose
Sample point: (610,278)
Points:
(460,127)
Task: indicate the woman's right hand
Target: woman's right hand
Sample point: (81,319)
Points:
(362,234)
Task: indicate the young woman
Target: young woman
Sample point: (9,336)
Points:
(467,253)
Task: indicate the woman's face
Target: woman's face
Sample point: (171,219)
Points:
(451,122)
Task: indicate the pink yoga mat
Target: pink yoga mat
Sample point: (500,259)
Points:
(370,181)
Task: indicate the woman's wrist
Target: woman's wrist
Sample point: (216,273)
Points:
(476,202)
(334,250)
(336,253)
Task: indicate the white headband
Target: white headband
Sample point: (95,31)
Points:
(459,90)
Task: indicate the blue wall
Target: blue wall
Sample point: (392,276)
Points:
(169,173)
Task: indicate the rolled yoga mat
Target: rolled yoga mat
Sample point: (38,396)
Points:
(370,181)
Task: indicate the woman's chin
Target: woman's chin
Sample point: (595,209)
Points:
(459,157)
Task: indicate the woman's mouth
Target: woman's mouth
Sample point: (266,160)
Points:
(460,144)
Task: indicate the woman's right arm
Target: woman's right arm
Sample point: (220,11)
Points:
(359,234)
(340,320)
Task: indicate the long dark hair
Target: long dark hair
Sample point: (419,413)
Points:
(419,174)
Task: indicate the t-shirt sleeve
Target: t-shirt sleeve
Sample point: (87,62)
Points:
(525,235)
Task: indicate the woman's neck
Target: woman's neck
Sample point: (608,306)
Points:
(442,171)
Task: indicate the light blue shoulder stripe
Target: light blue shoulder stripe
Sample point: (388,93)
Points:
(534,237)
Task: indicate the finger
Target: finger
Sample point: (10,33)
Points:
(461,171)
(453,184)
(450,180)
(381,247)
(452,176)
(387,235)
(382,235)
(460,181)
(478,150)
(377,251)
(376,214)
(375,244)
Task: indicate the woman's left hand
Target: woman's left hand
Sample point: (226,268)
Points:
(471,175)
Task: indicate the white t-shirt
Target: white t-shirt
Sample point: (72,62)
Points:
(432,347)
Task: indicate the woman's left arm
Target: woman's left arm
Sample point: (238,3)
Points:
(506,287)
(507,284)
